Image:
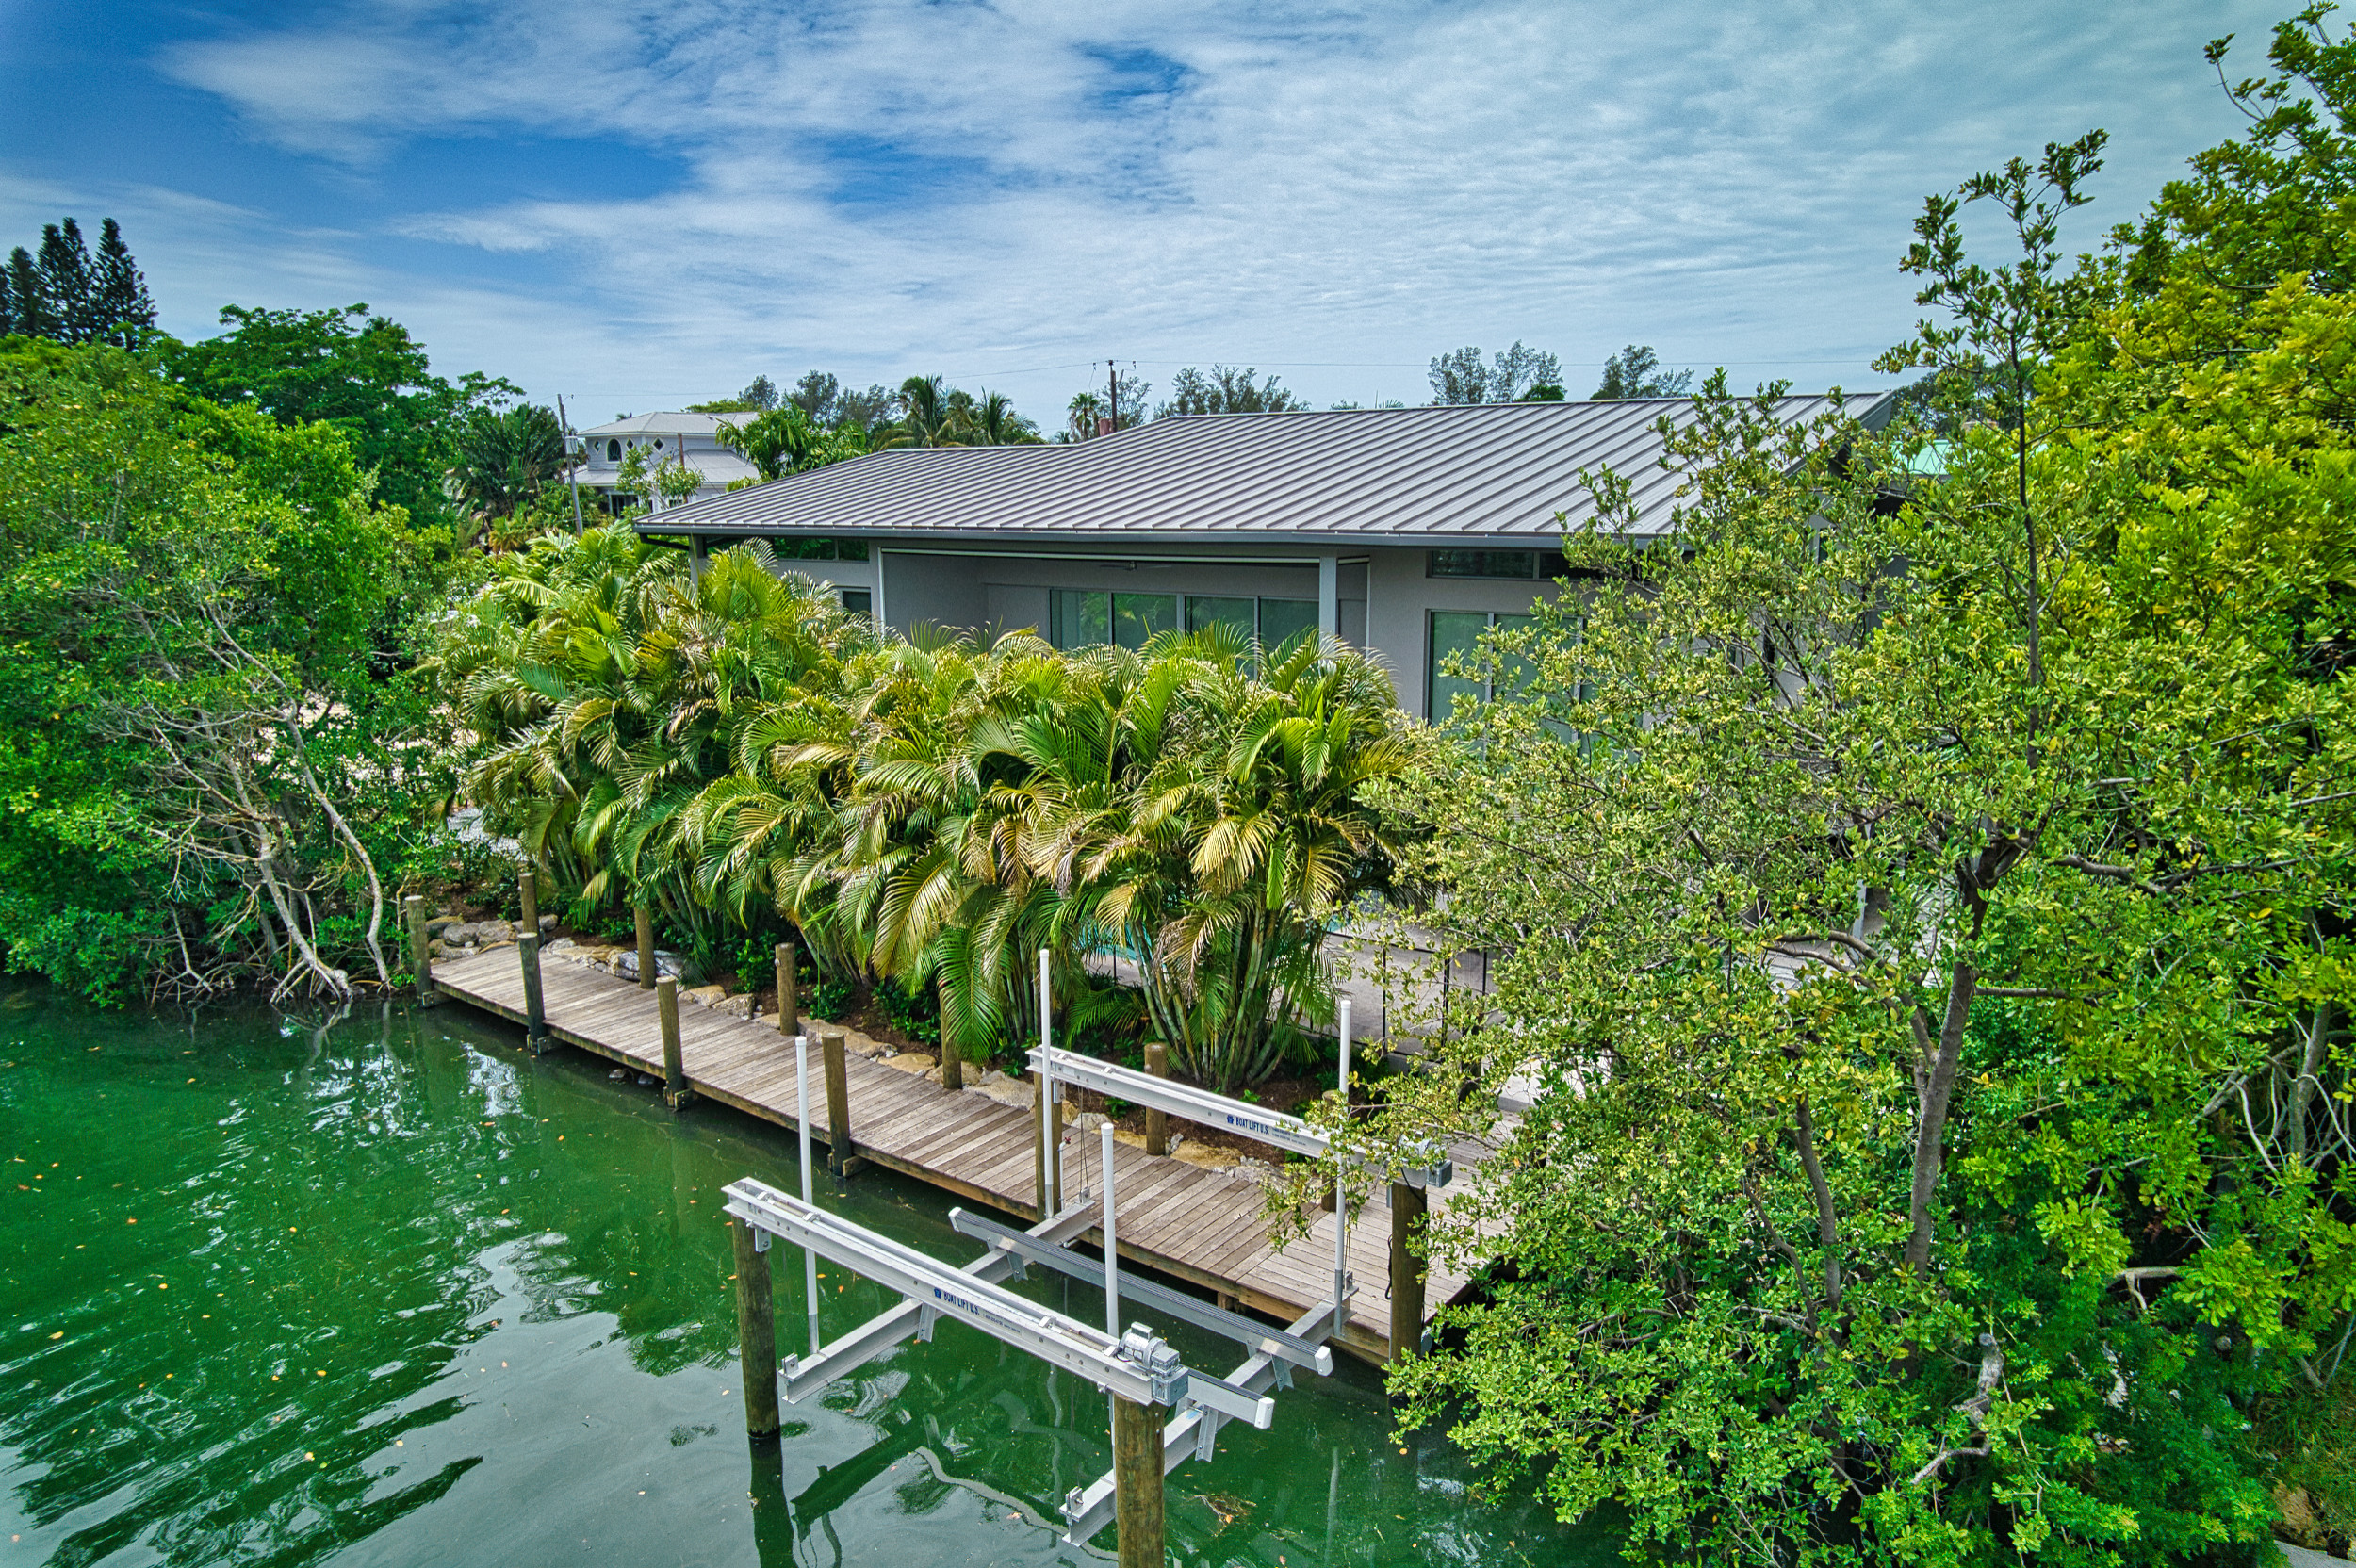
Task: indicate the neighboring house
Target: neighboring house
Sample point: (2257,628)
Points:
(1408,531)
(688,437)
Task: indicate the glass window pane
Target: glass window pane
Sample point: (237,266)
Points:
(1138,617)
(1203,612)
(859,602)
(1523,563)
(1079,618)
(849,550)
(1455,636)
(1281,620)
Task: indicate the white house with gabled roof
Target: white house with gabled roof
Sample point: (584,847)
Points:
(690,438)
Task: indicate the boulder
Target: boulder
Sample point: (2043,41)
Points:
(548,925)
(1019,1092)
(460,934)
(494,931)
(860,1044)
(1135,1140)
(1208,1156)
(739,1006)
(702,996)
(440,923)
(909,1061)
(1088,1122)
(676,965)
(1011,1091)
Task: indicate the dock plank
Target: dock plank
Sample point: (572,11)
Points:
(1200,1225)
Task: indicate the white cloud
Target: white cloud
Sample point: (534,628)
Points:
(883,188)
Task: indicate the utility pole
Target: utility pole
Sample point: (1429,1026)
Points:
(1112,386)
(572,464)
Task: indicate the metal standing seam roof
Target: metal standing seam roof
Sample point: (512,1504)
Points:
(1484,471)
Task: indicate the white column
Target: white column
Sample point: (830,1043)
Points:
(1328,596)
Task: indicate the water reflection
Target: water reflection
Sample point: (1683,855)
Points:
(380,1289)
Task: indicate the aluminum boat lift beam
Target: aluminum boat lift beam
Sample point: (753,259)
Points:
(1136,1367)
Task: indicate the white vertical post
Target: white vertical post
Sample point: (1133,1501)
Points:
(1328,596)
(1341,1195)
(809,1259)
(1047,1091)
(1112,1253)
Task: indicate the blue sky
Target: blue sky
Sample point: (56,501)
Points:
(642,207)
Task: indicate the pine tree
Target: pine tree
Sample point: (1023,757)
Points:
(124,313)
(8,304)
(67,284)
(27,304)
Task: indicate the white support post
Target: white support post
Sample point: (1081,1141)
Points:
(1328,596)
(1112,1257)
(1049,1120)
(1341,1197)
(810,1258)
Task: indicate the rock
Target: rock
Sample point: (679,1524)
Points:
(644,1080)
(702,996)
(992,1076)
(620,1075)
(739,1006)
(548,925)
(932,1075)
(460,934)
(440,923)
(1088,1122)
(1135,1140)
(676,965)
(1208,1156)
(1012,1092)
(907,1061)
(492,931)
(860,1044)
(436,948)
(562,947)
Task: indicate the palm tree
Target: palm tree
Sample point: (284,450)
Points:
(929,414)
(995,423)
(505,458)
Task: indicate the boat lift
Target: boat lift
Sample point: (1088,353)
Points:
(1135,1367)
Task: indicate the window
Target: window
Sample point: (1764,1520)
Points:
(1079,617)
(1136,617)
(614,451)
(1084,617)
(859,602)
(1456,642)
(1203,612)
(1284,622)
(1523,565)
(792,549)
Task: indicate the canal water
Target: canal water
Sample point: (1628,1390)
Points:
(386,1290)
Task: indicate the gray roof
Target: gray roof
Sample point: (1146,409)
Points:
(1487,471)
(673,423)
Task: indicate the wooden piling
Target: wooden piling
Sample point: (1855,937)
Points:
(952,1057)
(1408,1205)
(756,1332)
(1156,1123)
(837,1105)
(535,1012)
(675,1093)
(646,947)
(1137,1484)
(528,892)
(789,998)
(420,951)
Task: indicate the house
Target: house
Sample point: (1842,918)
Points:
(1408,531)
(691,438)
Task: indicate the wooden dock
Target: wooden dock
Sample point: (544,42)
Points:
(1208,1227)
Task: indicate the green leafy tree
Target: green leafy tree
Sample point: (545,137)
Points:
(1463,377)
(28,305)
(203,768)
(360,372)
(1225,390)
(1636,371)
(1089,409)
(124,314)
(1921,909)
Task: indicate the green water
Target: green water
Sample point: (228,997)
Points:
(392,1292)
